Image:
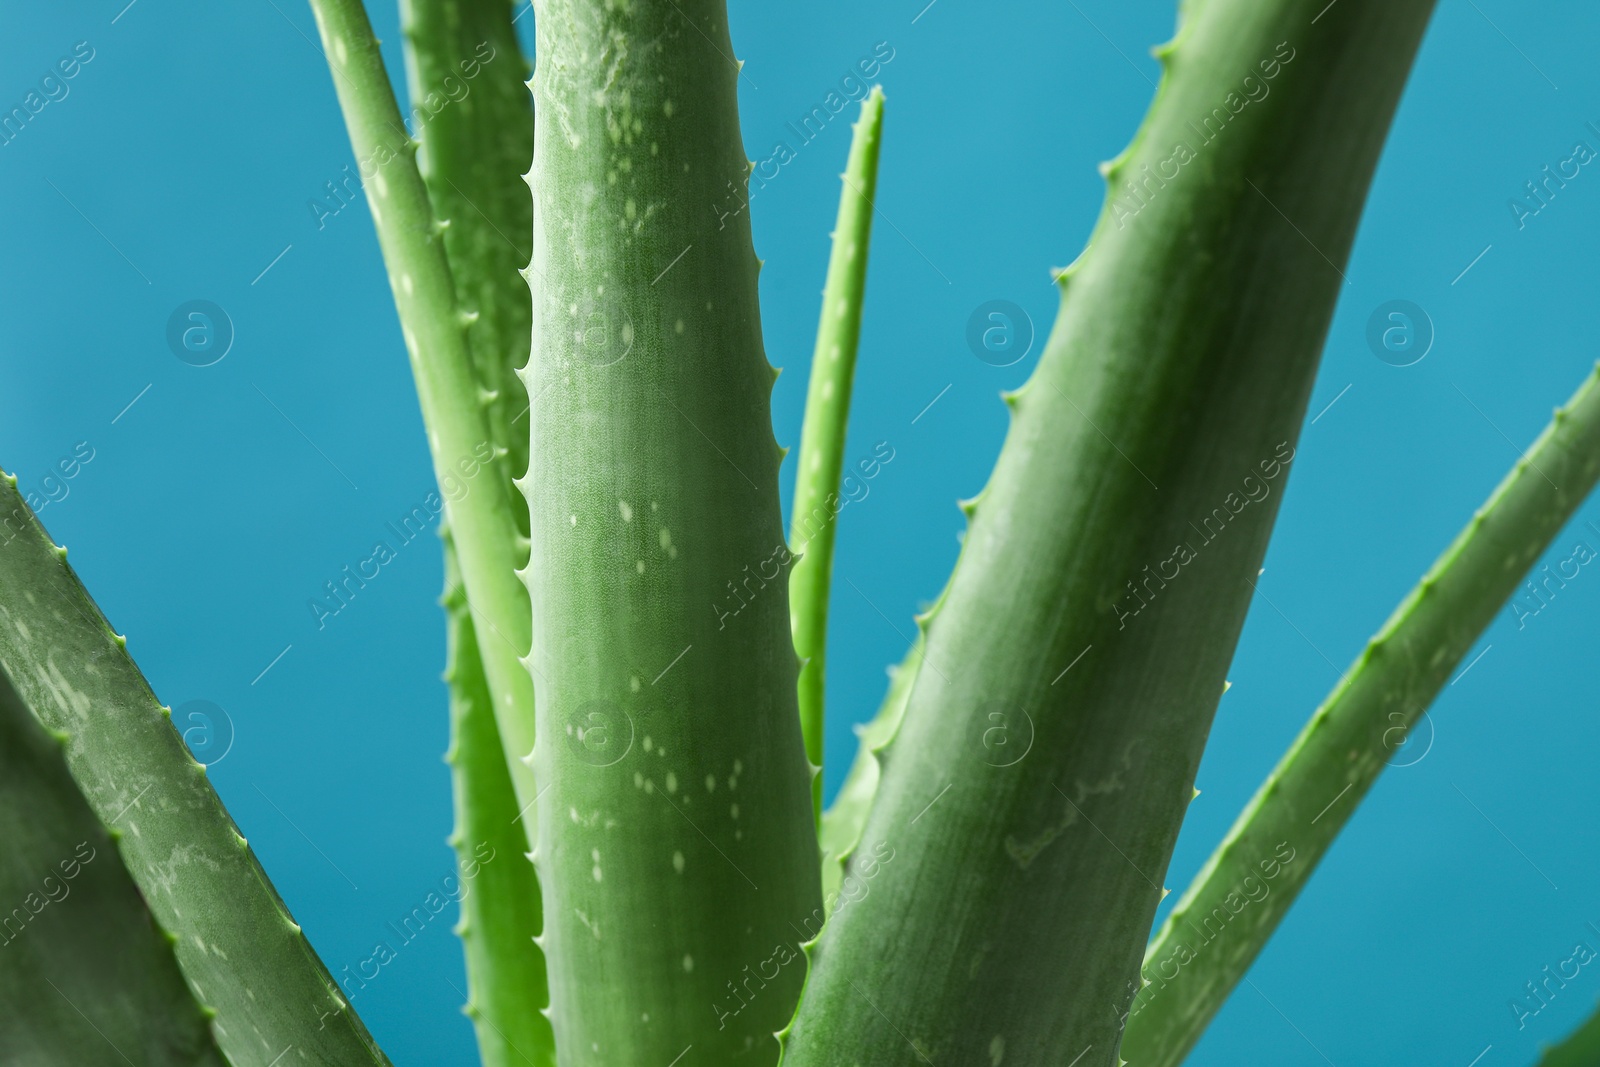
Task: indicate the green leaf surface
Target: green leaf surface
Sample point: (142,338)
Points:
(845,818)
(1581,1048)
(239,949)
(86,975)
(677,847)
(1011,865)
(473,117)
(822,437)
(501,913)
(1244,890)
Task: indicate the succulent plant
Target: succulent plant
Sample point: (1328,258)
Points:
(637,650)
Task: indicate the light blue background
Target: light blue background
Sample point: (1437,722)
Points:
(206,520)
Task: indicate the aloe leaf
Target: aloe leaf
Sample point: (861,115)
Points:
(87,976)
(1208,942)
(1048,749)
(1581,1048)
(480,513)
(847,815)
(677,848)
(822,437)
(473,119)
(501,911)
(239,949)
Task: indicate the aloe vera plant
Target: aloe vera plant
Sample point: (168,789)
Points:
(637,650)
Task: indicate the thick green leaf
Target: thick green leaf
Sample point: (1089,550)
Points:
(833,370)
(1219,926)
(86,976)
(241,952)
(1012,862)
(676,847)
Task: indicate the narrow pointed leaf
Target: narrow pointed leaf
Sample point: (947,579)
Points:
(501,913)
(474,119)
(1049,745)
(822,438)
(1204,948)
(236,943)
(480,514)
